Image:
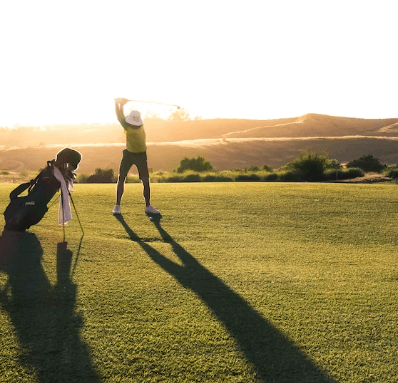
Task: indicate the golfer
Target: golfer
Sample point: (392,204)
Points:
(134,154)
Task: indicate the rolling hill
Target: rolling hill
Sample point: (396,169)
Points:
(226,143)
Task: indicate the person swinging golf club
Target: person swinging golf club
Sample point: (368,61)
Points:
(134,154)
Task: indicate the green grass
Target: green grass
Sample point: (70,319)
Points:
(239,282)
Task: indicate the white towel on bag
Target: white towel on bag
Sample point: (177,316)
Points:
(65,216)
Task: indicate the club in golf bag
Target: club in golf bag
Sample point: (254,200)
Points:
(24,211)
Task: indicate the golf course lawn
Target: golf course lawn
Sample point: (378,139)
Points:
(238,282)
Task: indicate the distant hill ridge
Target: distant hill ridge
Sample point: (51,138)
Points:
(318,125)
(226,143)
(158,130)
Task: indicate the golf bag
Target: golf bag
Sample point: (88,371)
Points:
(24,211)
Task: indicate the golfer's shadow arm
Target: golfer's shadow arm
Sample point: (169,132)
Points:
(168,265)
(187,259)
(191,274)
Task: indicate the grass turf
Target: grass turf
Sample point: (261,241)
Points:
(242,282)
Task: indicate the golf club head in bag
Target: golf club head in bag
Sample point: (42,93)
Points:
(24,211)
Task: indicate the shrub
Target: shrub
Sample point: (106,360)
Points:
(253,169)
(343,174)
(354,172)
(81,179)
(192,178)
(268,168)
(331,175)
(331,163)
(271,177)
(223,179)
(102,176)
(196,164)
(209,178)
(132,180)
(290,176)
(392,173)
(173,178)
(247,177)
(310,166)
(367,163)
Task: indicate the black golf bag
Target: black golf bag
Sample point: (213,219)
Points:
(23,212)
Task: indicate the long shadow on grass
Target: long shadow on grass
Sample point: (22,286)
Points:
(43,315)
(274,357)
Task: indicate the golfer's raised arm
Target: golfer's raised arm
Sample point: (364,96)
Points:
(119,112)
(119,104)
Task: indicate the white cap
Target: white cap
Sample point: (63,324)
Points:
(134,118)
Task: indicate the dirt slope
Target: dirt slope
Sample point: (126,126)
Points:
(227,144)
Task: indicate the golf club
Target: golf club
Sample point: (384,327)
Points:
(63,245)
(77,215)
(77,256)
(154,102)
(63,214)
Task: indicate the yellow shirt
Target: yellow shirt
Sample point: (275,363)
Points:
(135,139)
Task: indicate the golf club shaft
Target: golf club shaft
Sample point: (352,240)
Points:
(77,256)
(154,102)
(77,215)
(63,213)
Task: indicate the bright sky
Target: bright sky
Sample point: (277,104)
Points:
(65,61)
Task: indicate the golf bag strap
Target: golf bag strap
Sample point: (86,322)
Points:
(20,189)
(28,185)
(50,164)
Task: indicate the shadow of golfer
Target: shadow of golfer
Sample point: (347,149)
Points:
(274,357)
(43,315)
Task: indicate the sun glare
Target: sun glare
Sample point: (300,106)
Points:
(258,61)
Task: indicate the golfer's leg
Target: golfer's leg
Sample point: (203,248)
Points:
(120,189)
(125,165)
(146,190)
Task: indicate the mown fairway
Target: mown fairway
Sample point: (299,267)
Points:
(239,282)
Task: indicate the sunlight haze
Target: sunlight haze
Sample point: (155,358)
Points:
(65,62)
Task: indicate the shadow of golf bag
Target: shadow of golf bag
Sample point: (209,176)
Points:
(24,211)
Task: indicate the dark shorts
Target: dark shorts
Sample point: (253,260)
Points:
(138,159)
